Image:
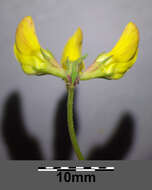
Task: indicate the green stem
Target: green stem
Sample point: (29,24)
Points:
(71,125)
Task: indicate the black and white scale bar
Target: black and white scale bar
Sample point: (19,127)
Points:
(77,169)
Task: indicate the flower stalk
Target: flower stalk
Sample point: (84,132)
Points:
(71,123)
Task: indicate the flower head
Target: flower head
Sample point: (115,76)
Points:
(38,61)
(114,64)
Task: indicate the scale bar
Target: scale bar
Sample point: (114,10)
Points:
(76,169)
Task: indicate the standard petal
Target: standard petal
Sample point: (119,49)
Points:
(127,45)
(26,39)
(72,49)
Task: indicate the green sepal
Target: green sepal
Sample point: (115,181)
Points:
(97,69)
(46,54)
(73,68)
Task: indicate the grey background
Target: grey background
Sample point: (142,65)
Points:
(127,175)
(100,103)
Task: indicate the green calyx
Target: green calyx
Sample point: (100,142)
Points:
(101,68)
(73,71)
(51,66)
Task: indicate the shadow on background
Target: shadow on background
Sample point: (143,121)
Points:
(21,145)
(62,144)
(119,143)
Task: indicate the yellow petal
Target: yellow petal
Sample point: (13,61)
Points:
(114,64)
(127,45)
(30,64)
(72,49)
(38,65)
(26,40)
(116,70)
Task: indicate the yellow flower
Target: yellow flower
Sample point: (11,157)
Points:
(114,64)
(38,61)
(72,49)
(34,59)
